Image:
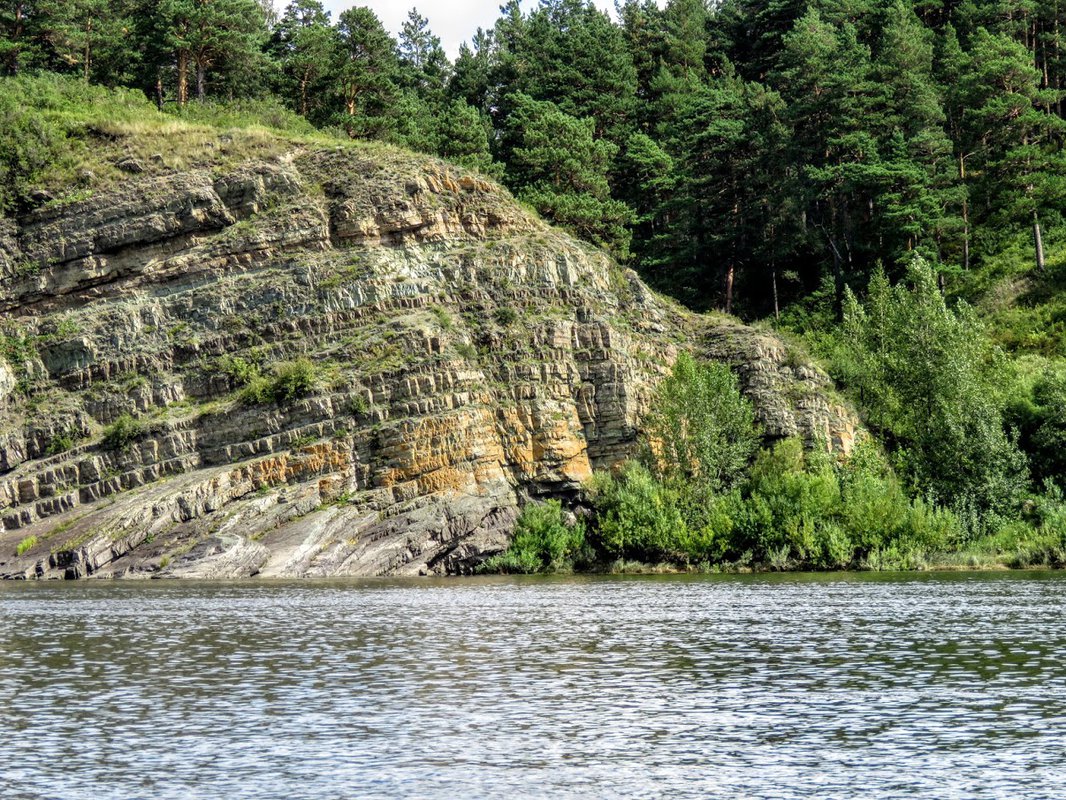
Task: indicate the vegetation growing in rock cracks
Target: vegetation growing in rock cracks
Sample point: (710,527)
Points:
(123,432)
(287,381)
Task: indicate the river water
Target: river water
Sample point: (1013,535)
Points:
(786,686)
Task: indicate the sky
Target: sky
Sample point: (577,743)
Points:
(454,21)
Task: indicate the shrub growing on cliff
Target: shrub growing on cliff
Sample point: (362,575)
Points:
(288,381)
(544,541)
(239,370)
(25,544)
(121,433)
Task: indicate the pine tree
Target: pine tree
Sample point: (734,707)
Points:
(559,166)
(307,47)
(952,64)
(685,45)
(19,45)
(645,33)
(224,32)
(835,111)
(1019,144)
(204,35)
(570,53)
(367,72)
(423,63)
(922,196)
(464,138)
(472,76)
(77,29)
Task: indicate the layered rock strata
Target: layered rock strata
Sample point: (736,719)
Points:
(458,356)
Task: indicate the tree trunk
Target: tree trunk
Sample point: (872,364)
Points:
(201,82)
(159,90)
(965,217)
(1038,241)
(729,276)
(183,78)
(87,54)
(777,308)
(16,37)
(304,80)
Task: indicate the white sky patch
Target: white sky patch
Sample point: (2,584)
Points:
(454,21)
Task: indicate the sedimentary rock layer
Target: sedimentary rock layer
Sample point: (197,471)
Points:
(466,357)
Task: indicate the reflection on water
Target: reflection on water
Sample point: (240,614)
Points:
(764,687)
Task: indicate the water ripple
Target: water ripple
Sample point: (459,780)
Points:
(950,686)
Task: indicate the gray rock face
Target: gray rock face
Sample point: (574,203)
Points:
(465,357)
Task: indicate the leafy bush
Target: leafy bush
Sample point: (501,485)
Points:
(796,508)
(505,315)
(1037,409)
(927,377)
(25,544)
(28,145)
(637,516)
(293,379)
(543,542)
(121,433)
(288,381)
(701,430)
(358,405)
(443,317)
(61,443)
(789,496)
(240,371)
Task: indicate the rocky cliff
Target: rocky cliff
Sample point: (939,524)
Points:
(452,356)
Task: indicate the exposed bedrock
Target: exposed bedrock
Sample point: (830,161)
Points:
(466,357)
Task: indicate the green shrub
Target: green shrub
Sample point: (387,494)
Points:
(121,433)
(701,430)
(358,405)
(240,371)
(28,145)
(834,548)
(288,381)
(789,496)
(443,317)
(293,379)
(466,350)
(25,544)
(61,443)
(797,508)
(542,542)
(17,348)
(637,516)
(929,377)
(505,315)
(258,391)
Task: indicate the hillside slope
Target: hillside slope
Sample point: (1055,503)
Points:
(311,359)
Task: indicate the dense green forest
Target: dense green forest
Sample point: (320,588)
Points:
(738,155)
(881,179)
